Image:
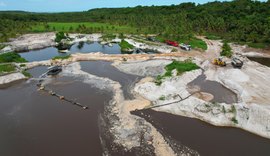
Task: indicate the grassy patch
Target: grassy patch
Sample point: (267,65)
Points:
(195,43)
(180,66)
(83,27)
(11,57)
(125,46)
(7,68)
(226,50)
(61,57)
(26,74)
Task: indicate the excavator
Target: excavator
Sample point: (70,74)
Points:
(219,61)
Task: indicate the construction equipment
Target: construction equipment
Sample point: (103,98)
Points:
(172,43)
(219,61)
(237,63)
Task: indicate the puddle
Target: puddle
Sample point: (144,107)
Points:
(221,94)
(261,60)
(50,52)
(208,140)
(105,69)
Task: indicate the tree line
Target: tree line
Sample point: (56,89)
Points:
(237,20)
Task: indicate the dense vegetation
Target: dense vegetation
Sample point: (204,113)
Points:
(243,21)
(11,57)
(179,66)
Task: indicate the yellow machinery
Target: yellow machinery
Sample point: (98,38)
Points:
(219,61)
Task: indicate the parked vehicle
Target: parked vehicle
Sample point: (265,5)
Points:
(185,46)
(237,63)
(172,43)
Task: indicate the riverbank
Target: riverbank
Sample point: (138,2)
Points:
(250,112)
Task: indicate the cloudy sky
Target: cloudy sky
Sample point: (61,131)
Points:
(80,5)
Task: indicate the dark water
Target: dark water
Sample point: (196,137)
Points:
(208,140)
(50,52)
(221,94)
(261,60)
(104,69)
(34,123)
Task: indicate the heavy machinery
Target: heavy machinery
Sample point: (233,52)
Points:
(219,61)
(172,43)
(237,63)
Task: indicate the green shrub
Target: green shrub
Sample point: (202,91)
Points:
(234,120)
(226,50)
(162,98)
(11,57)
(60,36)
(22,65)
(158,80)
(125,46)
(26,74)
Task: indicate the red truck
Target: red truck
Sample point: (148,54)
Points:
(172,43)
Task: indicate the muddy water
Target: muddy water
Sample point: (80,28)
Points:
(221,94)
(34,123)
(50,52)
(105,69)
(261,60)
(208,140)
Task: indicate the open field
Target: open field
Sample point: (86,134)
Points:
(87,27)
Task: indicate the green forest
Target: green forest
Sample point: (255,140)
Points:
(242,21)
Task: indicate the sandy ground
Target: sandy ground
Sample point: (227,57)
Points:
(11,78)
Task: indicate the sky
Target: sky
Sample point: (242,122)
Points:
(80,5)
